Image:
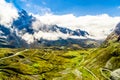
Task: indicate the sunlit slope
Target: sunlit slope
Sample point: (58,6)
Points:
(38,64)
(103,61)
(52,64)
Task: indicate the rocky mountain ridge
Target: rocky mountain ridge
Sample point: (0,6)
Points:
(22,33)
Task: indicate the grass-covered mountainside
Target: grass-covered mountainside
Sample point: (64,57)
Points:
(36,47)
(63,63)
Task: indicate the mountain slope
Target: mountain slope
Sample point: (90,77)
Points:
(28,31)
(60,63)
(64,64)
(104,61)
(113,37)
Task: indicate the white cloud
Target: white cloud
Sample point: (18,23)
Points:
(49,35)
(98,26)
(7,13)
(36,25)
(54,35)
(28,37)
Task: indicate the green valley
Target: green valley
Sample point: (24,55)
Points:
(60,64)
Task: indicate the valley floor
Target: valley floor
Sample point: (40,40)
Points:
(49,64)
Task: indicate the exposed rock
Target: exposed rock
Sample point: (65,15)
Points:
(115,75)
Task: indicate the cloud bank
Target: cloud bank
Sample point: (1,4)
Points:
(98,26)
(7,13)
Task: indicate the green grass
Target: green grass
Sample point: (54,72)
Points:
(49,64)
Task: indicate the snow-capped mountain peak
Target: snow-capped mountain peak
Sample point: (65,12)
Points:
(27,29)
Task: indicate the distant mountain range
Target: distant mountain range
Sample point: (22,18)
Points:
(28,31)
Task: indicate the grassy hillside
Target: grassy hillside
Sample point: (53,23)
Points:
(49,64)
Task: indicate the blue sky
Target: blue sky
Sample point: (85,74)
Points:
(76,7)
(97,17)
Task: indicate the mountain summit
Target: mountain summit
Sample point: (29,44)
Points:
(28,31)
